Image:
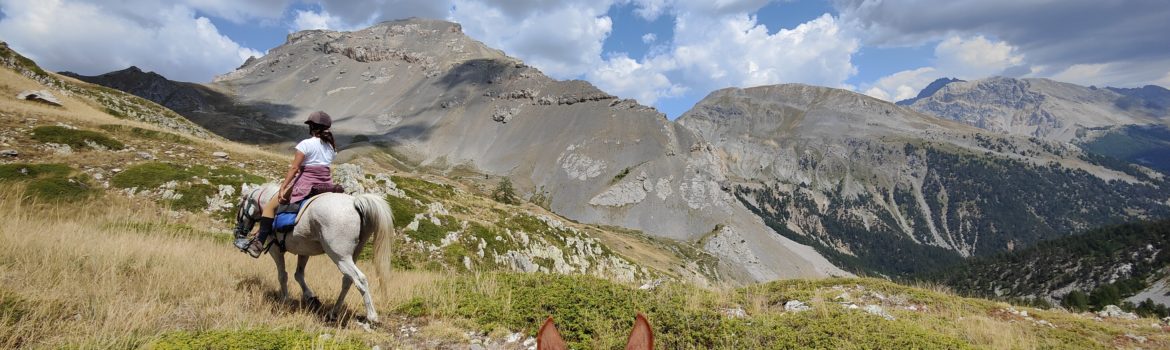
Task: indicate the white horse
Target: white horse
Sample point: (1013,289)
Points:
(334,224)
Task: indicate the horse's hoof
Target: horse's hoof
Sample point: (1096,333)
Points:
(331,317)
(312,303)
(366,326)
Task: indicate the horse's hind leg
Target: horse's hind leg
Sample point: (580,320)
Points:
(307,295)
(281,274)
(347,267)
(345,282)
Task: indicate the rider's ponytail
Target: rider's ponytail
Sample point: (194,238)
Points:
(322,132)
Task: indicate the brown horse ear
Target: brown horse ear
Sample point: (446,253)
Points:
(642,337)
(548,338)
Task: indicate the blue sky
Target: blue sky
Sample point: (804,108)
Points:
(665,53)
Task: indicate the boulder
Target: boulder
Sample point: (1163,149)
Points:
(1112,311)
(222,155)
(41,96)
(796,306)
(9,153)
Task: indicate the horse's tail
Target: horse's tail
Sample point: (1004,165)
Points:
(378,220)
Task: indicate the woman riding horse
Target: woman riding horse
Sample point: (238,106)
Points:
(310,166)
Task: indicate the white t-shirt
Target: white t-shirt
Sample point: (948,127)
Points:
(316,152)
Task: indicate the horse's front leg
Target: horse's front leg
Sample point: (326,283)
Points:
(307,295)
(281,274)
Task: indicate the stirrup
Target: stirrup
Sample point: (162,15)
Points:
(261,252)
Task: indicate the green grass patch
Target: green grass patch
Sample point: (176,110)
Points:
(145,134)
(404,210)
(415,307)
(75,138)
(49,182)
(57,189)
(429,232)
(29,171)
(154,174)
(251,339)
(194,197)
(596,313)
(423,190)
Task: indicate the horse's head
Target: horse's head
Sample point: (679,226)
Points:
(251,206)
(641,338)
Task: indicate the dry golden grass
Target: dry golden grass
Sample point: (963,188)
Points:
(80,285)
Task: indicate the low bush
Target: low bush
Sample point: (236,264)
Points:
(75,138)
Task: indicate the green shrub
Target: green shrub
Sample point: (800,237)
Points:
(621,175)
(49,182)
(75,138)
(251,339)
(504,192)
(415,307)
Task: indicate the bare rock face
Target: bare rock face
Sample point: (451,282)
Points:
(445,100)
(1036,107)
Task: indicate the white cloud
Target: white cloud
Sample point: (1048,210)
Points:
(649,38)
(359,14)
(1117,74)
(975,57)
(563,40)
(627,77)
(718,44)
(91,39)
(306,20)
(902,85)
(240,11)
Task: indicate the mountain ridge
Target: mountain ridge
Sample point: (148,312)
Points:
(770,178)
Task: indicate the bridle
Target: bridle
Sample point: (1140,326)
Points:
(246,217)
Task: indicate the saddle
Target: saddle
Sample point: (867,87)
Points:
(287,215)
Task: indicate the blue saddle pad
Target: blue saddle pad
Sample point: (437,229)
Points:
(284,222)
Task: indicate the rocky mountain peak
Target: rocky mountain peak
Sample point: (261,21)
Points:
(1030,107)
(930,89)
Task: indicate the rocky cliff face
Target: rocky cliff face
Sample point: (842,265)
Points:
(445,101)
(877,186)
(1036,107)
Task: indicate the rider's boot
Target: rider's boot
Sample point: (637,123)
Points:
(242,240)
(256,247)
